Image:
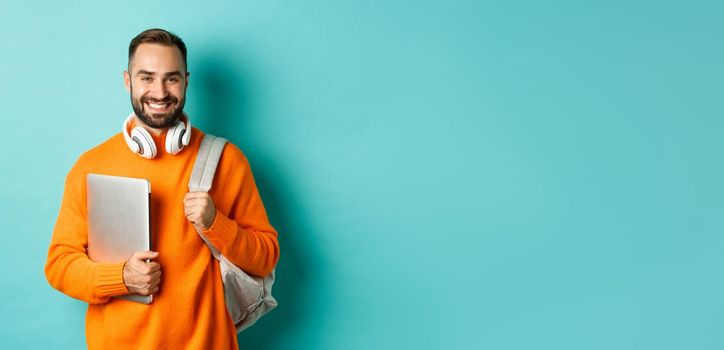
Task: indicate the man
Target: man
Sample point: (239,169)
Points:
(188,309)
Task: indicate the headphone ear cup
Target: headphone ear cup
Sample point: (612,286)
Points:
(146,145)
(174,138)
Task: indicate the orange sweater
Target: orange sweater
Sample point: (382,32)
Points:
(188,311)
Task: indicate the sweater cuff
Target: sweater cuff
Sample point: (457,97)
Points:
(222,231)
(109,279)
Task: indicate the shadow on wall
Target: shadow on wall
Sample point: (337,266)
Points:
(221,90)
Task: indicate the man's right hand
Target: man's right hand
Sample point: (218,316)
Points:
(142,277)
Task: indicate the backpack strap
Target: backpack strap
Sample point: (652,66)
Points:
(202,175)
(206,162)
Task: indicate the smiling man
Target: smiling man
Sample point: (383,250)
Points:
(188,309)
(157,109)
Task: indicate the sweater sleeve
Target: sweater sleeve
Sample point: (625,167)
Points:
(68,268)
(243,233)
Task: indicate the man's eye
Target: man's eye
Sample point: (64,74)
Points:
(173,80)
(146,78)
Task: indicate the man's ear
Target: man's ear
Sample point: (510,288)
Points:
(188,74)
(127,80)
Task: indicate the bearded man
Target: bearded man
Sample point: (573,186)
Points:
(188,309)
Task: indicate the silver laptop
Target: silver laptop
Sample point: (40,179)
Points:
(118,220)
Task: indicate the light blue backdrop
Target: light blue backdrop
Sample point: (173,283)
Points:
(451,174)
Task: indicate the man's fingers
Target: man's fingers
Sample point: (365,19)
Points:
(153,267)
(194,214)
(191,215)
(144,270)
(148,291)
(152,280)
(188,210)
(195,207)
(193,196)
(143,255)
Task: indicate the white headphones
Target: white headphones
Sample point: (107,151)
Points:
(141,142)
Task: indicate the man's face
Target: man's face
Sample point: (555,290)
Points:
(157,80)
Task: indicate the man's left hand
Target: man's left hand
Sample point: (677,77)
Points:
(199,209)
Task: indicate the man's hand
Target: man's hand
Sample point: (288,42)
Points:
(142,277)
(199,209)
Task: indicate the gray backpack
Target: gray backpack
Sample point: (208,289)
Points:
(248,298)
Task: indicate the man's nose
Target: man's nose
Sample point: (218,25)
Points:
(159,90)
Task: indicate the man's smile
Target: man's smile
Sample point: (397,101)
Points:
(155,107)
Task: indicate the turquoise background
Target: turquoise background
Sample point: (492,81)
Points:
(443,175)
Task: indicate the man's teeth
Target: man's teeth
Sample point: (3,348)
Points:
(158,106)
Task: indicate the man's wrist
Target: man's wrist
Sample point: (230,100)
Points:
(109,279)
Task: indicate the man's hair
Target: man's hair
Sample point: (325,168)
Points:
(157,36)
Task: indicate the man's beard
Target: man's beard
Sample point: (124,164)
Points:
(170,119)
